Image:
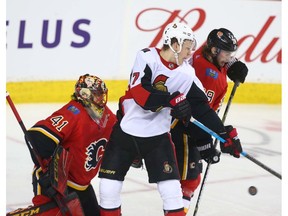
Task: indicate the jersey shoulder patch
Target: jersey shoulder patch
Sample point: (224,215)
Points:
(73,109)
(211,73)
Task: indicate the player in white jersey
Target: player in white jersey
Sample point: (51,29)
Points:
(162,84)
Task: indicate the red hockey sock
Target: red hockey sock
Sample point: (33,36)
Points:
(110,212)
(178,212)
(189,186)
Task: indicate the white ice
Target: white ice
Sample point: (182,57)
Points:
(225,192)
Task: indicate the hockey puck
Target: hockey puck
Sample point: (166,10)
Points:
(252,190)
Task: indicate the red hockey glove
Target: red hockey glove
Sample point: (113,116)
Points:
(181,109)
(232,145)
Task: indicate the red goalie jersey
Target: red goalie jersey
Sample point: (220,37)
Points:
(74,129)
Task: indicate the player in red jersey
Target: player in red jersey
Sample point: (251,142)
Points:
(161,84)
(77,134)
(212,63)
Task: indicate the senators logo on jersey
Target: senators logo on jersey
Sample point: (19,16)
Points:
(159,83)
(94,154)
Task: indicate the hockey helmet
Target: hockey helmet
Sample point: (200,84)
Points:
(181,32)
(222,39)
(92,92)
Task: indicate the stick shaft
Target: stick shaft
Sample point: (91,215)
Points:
(261,165)
(243,153)
(236,84)
(29,143)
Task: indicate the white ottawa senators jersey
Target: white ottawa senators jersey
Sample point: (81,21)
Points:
(145,105)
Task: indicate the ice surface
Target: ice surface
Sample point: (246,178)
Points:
(225,192)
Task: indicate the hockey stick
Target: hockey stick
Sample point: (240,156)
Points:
(29,144)
(236,84)
(245,154)
(60,202)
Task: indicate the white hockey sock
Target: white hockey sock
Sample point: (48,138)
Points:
(109,191)
(171,194)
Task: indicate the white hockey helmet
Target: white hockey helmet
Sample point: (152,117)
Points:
(181,32)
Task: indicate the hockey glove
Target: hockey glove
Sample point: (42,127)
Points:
(237,72)
(54,180)
(181,109)
(232,145)
(209,153)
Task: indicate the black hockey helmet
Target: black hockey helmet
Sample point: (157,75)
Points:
(222,39)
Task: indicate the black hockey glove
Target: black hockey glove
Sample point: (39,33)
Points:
(209,153)
(232,145)
(181,108)
(237,72)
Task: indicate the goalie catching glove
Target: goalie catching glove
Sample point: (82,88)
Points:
(232,145)
(181,108)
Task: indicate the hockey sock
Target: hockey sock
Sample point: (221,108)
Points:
(177,212)
(188,188)
(110,193)
(110,212)
(170,192)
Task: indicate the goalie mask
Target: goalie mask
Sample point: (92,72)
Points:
(92,93)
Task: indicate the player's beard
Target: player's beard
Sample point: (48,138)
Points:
(215,62)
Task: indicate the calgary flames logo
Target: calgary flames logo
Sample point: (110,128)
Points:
(94,154)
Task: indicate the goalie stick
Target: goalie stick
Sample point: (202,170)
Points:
(60,201)
(29,144)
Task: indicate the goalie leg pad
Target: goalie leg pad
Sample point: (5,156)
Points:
(50,208)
